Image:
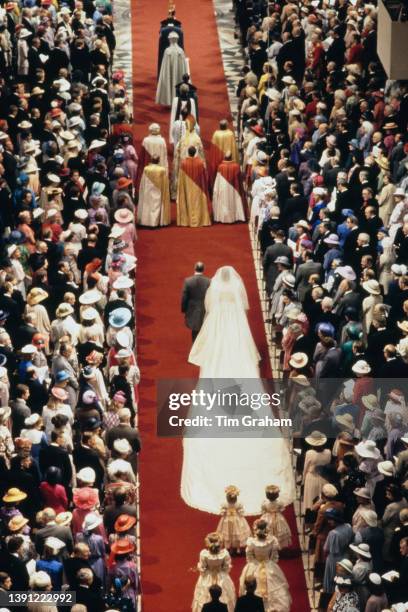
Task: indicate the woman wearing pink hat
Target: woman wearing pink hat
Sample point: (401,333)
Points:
(57,404)
(86,500)
(124,219)
(110,417)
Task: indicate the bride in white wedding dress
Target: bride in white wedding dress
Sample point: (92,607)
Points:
(225,349)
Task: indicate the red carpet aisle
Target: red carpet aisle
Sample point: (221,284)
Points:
(172,533)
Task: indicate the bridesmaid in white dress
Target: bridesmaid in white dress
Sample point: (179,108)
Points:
(233,526)
(214,567)
(262,564)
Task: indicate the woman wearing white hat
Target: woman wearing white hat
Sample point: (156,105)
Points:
(361,570)
(152,145)
(317,456)
(39,313)
(91,326)
(386,260)
(363,498)
(374,297)
(369,458)
(77,229)
(96,544)
(33,431)
(122,451)
(22,52)
(377,599)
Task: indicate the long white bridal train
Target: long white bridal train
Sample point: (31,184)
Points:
(225,349)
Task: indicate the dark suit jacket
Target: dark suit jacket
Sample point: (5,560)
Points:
(16,569)
(304,344)
(123,431)
(352,300)
(112,512)
(249,603)
(278,249)
(192,300)
(58,457)
(393,368)
(87,457)
(214,606)
(56,531)
(71,566)
(375,346)
(302,276)
(93,600)
(331,364)
(349,246)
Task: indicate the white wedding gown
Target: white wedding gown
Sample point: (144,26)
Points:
(225,349)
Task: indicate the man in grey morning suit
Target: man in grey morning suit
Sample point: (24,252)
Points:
(192,299)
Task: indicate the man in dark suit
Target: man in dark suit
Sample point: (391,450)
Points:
(350,243)
(85,594)
(349,299)
(376,342)
(394,366)
(250,602)
(304,272)
(85,456)
(125,431)
(327,369)
(79,560)
(270,265)
(192,299)
(215,605)
(56,455)
(13,565)
(52,529)
(119,506)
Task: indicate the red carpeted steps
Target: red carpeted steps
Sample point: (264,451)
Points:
(172,534)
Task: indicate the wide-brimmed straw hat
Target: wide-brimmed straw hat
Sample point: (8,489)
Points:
(17,522)
(36,296)
(316,438)
(372,286)
(298,360)
(346,420)
(370,401)
(14,495)
(64,519)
